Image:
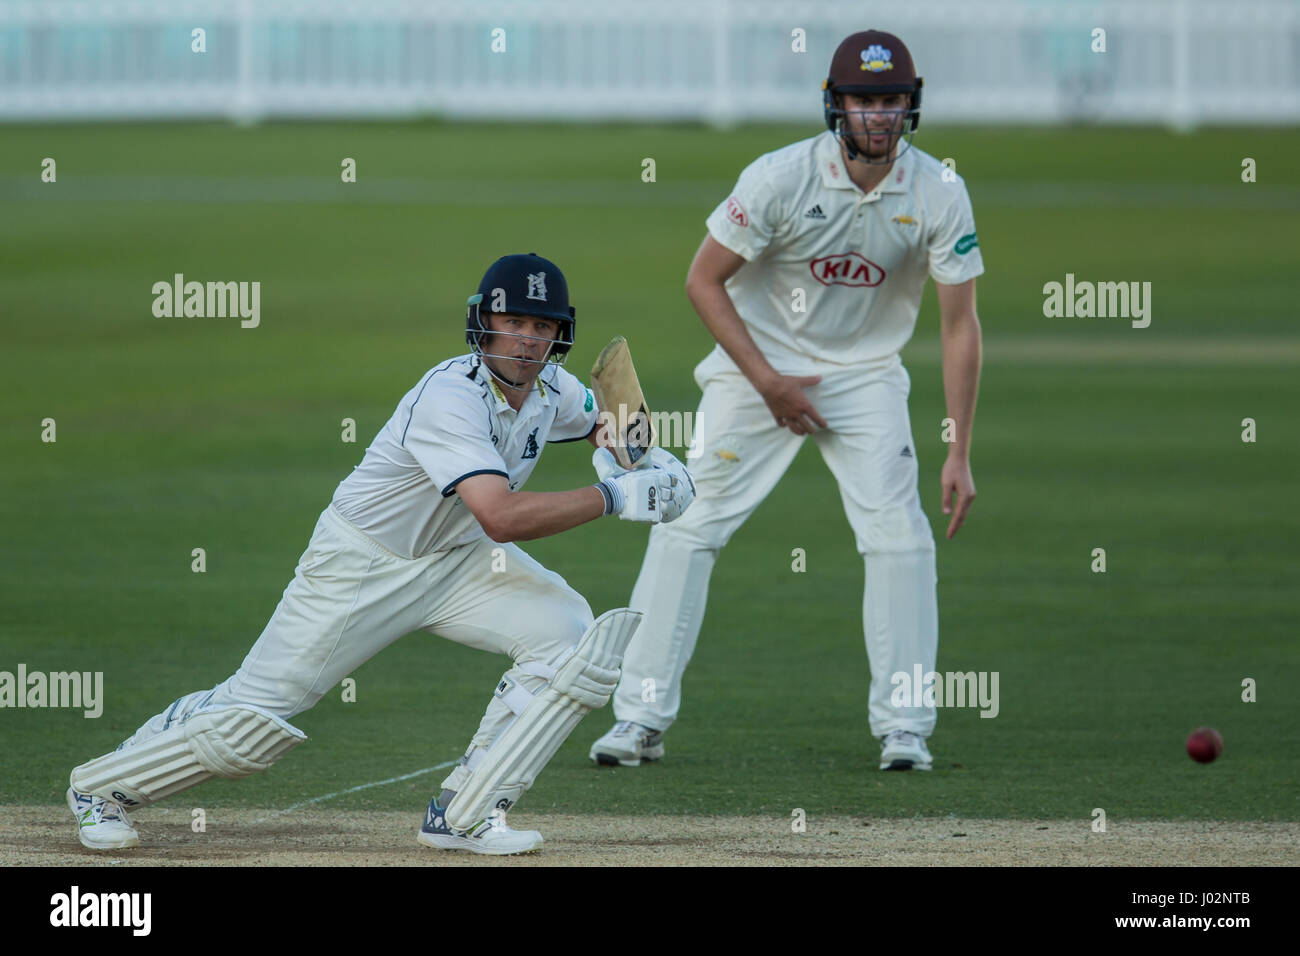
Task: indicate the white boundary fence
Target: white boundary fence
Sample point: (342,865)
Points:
(1182,62)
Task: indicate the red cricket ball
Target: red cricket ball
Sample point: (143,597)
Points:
(1204,745)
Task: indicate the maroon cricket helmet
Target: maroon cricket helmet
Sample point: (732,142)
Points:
(871,63)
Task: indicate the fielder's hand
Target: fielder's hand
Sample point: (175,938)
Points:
(790,406)
(955,478)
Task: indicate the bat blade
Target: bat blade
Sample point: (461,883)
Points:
(622,404)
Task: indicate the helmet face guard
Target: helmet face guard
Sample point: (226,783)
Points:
(866,64)
(477,329)
(522,285)
(902,129)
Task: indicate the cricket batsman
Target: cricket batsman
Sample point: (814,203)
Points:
(810,280)
(418,537)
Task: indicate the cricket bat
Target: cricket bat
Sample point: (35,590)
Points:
(622,405)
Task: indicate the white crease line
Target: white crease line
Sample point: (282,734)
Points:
(364,786)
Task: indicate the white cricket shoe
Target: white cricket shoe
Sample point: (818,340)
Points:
(903,750)
(491,837)
(628,744)
(101,824)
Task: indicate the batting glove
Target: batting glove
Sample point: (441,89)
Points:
(658,491)
(682,491)
(637,495)
(683,485)
(606,464)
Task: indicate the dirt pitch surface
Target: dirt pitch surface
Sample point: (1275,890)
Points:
(45,836)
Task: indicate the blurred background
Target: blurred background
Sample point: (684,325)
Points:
(1178,62)
(1161,150)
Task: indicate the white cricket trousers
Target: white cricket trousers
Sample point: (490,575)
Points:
(350,597)
(740,456)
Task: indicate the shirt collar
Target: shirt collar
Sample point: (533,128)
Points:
(834,176)
(500,397)
(899,179)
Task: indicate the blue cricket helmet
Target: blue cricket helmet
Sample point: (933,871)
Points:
(523,285)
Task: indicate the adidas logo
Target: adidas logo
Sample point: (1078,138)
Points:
(815,213)
(907,452)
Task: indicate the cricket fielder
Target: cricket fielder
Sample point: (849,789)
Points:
(418,537)
(810,280)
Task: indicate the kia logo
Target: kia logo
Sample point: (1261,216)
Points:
(736,212)
(849,268)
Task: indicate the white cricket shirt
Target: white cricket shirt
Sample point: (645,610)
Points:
(861,259)
(454,424)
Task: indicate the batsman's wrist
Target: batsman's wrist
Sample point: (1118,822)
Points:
(613,495)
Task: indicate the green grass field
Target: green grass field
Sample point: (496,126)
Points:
(174,434)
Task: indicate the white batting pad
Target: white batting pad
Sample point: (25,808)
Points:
(582,683)
(228,742)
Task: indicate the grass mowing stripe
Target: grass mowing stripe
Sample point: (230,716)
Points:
(1138,349)
(254,188)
